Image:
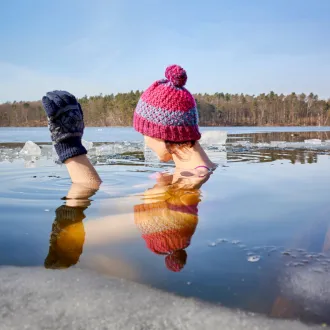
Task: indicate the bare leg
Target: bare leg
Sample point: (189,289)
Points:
(82,172)
(70,232)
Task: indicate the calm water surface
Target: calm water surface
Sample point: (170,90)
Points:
(255,236)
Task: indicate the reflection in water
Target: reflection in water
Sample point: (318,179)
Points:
(281,136)
(67,237)
(167,226)
(68,233)
(271,155)
(169,216)
(289,281)
(294,156)
(167,220)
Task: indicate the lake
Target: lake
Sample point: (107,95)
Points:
(255,236)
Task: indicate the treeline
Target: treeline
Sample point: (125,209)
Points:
(218,109)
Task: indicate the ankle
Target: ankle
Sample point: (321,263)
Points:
(193,157)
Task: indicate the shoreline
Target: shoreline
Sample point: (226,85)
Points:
(35,298)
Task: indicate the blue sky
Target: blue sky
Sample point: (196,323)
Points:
(109,46)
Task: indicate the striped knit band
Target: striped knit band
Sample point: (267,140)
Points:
(167,117)
(169,133)
(167,111)
(168,241)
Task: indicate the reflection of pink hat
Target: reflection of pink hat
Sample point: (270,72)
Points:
(167,229)
(176,261)
(166,110)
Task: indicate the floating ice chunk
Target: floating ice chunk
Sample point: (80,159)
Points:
(318,270)
(214,137)
(264,145)
(253,258)
(117,148)
(8,154)
(313,141)
(102,150)
(30,162)
(30,149)
(278,144)
(242,143)
(46,151)
(297,264)
(87,145)
(221,240)
(311,144)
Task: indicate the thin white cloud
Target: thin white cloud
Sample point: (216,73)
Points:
(20,83)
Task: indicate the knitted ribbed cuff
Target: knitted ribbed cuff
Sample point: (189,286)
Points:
(69,148)
(66,215)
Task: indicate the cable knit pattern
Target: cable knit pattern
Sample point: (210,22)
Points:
(66,123)
(166,110)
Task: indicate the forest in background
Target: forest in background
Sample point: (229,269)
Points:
(217,109)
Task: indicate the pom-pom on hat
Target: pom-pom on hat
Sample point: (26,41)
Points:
(167,110)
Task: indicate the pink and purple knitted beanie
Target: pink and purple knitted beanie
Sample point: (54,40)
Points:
(166,110)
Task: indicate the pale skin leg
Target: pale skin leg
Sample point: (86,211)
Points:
(187,159)
(114,228)
(108,229)
(86,182)
(81,171)
(76,234)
